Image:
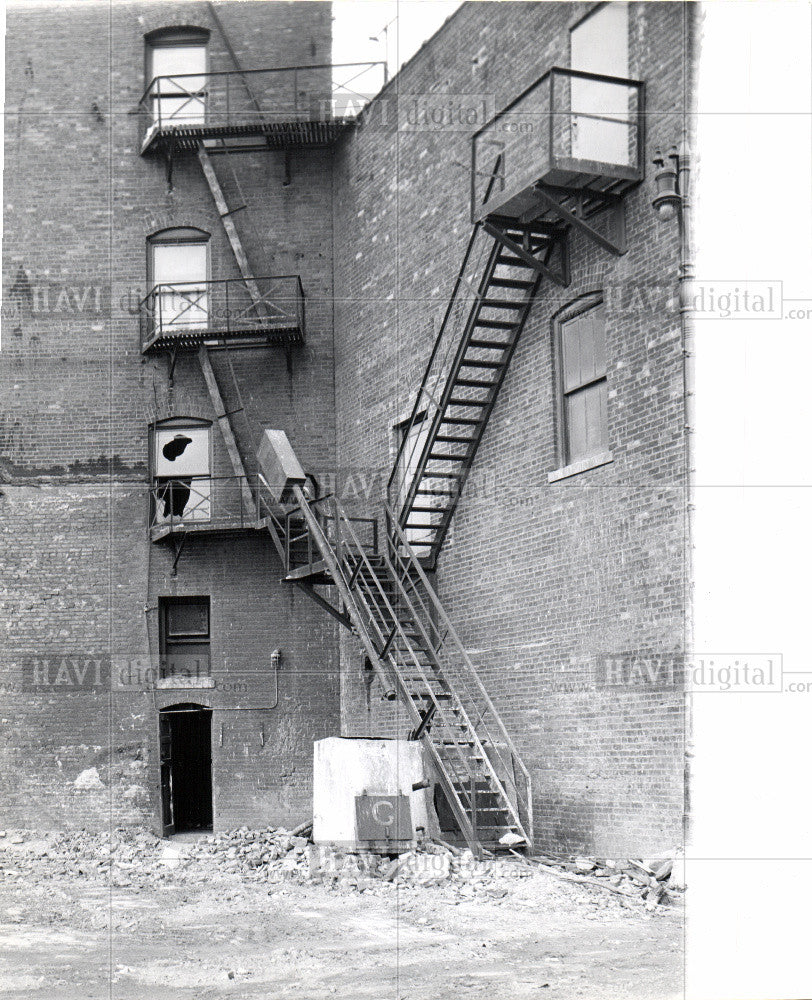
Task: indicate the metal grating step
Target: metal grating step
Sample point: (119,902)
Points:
(495,324)
(510,283)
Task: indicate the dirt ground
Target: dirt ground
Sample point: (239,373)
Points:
(82,931)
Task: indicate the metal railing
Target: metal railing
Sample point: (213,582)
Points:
(502,757)
(567,123)
(222,309)
(301,547)
(248,99)
(388,597)
(203,502)
(415,442)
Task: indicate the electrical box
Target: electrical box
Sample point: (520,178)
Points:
(278,463)
(383,817)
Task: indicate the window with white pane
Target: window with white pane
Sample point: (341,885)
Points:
(600,120)
(181,464)
(583,381)
(177,63)
(179,271)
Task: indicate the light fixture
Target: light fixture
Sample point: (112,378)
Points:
(667,199)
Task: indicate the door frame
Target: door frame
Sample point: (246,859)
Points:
(164,723)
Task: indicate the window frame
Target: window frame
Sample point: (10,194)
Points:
(177,423)
(179,236)
(567,463)
(174,36)
(176,236)
(166,602)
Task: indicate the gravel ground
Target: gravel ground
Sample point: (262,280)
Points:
(261,914)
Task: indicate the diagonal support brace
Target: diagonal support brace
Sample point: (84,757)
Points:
(550,204)
(528,258)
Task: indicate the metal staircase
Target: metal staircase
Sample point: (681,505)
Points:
(502,269)
(381,593)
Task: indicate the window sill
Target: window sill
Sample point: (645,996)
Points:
(184,682)
(582,465)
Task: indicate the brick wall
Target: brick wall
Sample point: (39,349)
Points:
(77,398)
(543,581)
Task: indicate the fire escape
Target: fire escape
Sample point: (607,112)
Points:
(214,116)
(551,162)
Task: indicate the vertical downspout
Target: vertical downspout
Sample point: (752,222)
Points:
(685,278)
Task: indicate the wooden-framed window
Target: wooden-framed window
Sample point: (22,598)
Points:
(185,636)
(599,43)
(178,274)
(181,470)
(176,67)
(582,380)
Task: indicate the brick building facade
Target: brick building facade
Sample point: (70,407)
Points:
(560,581)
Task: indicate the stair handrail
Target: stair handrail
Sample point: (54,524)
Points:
(422,391)
(453,796)
(414,563)
(461,707)
(359,552)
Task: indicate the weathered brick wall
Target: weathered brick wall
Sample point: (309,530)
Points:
(76,399)
(542,580)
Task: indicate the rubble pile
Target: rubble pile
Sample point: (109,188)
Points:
(655,880)
(273,855)
(255,853)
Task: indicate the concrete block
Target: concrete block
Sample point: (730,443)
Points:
(344,768)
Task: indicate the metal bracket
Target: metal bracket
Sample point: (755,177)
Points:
(323,603)
(613,204)
(534,262)
(173,358)
(177,548)
(425,722)
(169,158)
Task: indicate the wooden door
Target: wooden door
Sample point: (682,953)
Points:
(600,120)
(165,758)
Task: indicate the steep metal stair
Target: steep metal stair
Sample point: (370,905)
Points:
(378,589)
(502,269)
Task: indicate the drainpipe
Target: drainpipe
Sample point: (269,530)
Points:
(672,200)
(686,275)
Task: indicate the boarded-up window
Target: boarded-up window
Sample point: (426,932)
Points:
(582,353)
(600,109)
(185,637)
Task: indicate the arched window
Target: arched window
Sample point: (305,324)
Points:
(178,274)
(582,379)
(176,67)
(181,470)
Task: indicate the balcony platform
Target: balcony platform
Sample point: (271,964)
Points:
(590,187)
(571,144)
(166,531)
(284,108)
(243,138)
(192,339)
(232,312)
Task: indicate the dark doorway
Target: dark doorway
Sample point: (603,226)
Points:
(186,788)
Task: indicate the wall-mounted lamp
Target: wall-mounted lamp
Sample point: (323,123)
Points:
(276,658)
(668,198)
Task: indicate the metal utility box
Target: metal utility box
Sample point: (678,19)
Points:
(383,818)
(278,463)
